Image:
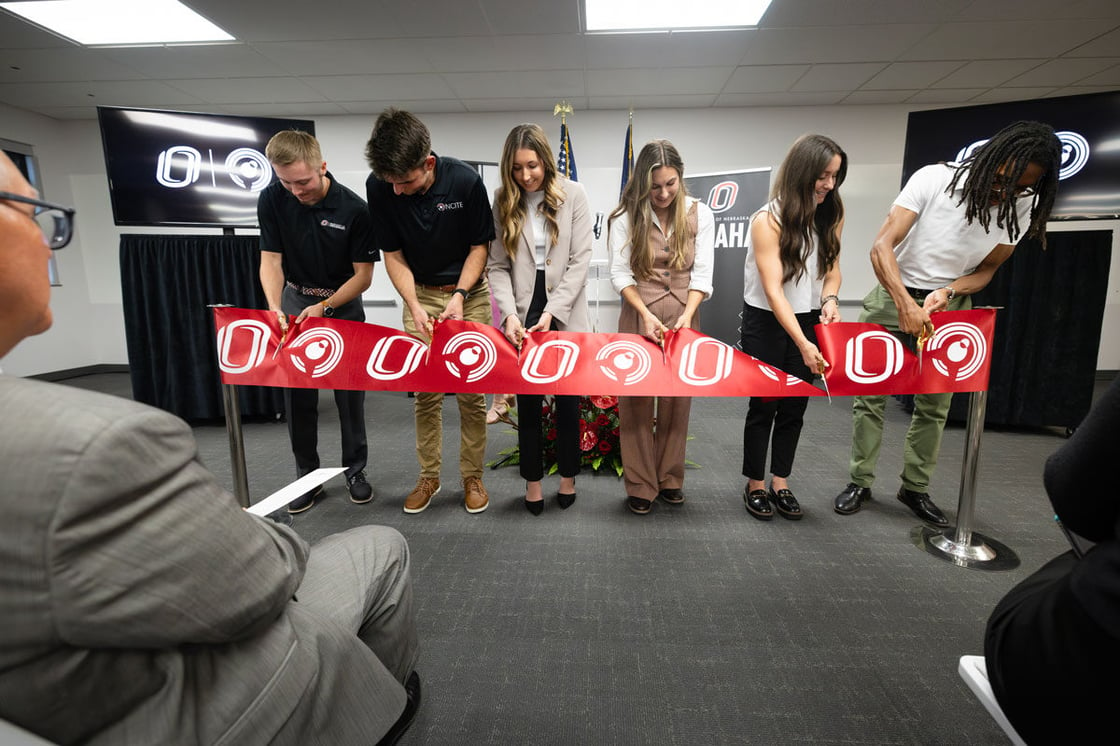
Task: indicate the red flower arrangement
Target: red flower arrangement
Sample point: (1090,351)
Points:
(598,436)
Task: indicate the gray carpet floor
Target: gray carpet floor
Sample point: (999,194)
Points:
(695,624)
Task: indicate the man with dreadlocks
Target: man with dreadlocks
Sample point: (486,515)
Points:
(937,247)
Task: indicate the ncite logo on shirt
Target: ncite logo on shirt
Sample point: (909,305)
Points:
(329,224)
(445,206)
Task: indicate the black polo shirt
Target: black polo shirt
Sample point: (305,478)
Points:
(320,243)
(437,229)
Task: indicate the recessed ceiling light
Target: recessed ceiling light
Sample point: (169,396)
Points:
(111,22)
(630,16)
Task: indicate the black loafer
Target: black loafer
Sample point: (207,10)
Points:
(922,506)
(851,499)
(758,504)
(672,496)
(411,705)
(638,505)
(786,504)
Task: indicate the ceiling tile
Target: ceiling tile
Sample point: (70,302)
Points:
(903,75)
(667,50)
(1104,45)
(842,44)
(1062,72)
(205,61)
(998,95)
(644,82)
(556,52)
(42,65)
(837,77)
(518,17)
(986,73)
(542,83)
(1001,39)
(249,90)
(946,95)
(667,101)
(820,98)
(380,87)
(764,78)
(862,97)
(355,56)
(428,106)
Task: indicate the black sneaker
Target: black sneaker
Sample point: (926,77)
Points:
(360,491)
(305,501)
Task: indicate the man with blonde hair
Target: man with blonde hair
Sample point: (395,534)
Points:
(317,258)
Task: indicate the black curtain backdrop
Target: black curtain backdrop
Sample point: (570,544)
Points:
(167,284)
(1048,331)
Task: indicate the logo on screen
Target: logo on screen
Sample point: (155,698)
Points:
(181,166)
(1075,152)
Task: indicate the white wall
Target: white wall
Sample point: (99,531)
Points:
(88,319)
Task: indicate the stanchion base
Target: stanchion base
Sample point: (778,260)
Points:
(981,554)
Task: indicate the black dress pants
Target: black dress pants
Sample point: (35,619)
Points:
(775,421)
(529,436)
(302,405)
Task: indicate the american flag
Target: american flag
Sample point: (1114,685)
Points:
(566,159)
(627,155)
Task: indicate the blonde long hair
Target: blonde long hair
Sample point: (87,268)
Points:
(635,204)
(512,210)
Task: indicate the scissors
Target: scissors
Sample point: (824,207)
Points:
(283,339)
(921,344)
(820,369)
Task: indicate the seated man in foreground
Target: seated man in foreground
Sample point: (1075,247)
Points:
(139,603)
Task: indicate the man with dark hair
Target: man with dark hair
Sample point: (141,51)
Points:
(141,604)
(936,248)
(432,221)
(317,258)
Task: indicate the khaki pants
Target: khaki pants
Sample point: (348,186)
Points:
(429,405)
(923,439)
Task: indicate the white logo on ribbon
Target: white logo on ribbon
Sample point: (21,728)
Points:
(260,334)
(627,362)
(854,364)
(470,356)
(690,355)
(376,365)
(249,169)
(569,354)
(317,351)
(965,347)
(772,374)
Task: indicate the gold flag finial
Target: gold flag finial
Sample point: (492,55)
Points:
(563,108)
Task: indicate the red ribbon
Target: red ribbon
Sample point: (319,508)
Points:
(469,357)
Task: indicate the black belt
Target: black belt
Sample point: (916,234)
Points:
(317,292)
(918,294)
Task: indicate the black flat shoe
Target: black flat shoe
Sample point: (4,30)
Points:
(565,499)
(536,507)
(851,499)
(672,496)
(638,505)
(786,504)
(758,504)
(922,507)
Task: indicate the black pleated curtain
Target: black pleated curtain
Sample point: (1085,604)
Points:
(1048,332)
(167,284)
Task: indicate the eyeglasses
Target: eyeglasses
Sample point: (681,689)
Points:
(1000,187)
(56,221)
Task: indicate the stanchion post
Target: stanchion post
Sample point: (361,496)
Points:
(236,440)
(966,548)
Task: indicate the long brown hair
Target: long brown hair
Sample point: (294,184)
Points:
(511,197)
(635,204)
(800,215)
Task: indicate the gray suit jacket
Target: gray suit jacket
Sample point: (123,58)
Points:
(140,604)
(566,264)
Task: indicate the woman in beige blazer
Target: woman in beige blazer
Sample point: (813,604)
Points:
(538,274)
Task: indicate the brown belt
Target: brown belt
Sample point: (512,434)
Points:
(441,288)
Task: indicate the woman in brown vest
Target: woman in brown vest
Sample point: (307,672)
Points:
(662,250)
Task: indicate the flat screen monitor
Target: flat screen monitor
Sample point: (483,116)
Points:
(179,168)
(1088,126)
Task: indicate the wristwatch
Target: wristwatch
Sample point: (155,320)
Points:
(951,293)
(328,309)
(461,292)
